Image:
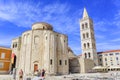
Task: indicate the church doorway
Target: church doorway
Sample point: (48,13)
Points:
(35,67)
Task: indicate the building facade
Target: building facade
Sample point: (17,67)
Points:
(5,59)
(41,48)
(16,44)
(110,60)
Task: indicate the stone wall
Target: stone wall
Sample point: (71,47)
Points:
(74,65)
(86,65)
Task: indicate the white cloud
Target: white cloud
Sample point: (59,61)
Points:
(107,46)
(116,2)
(116,33)
(23,14)
(57,14)
(116,40)
(116,20)
(100,25)
(99,36)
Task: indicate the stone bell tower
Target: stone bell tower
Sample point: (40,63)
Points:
(87,38)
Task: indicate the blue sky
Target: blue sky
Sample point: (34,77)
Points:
(17,16)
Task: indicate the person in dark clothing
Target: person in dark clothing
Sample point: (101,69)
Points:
(43,73)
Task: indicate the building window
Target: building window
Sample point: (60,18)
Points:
(116,53)
(110,58)
(87,35)
(13,45)
(111,54)
(65,62)
(100,59)
(50,61)
(106,64)
(86,25)
(117,63)
(43,27)
(89,55)
(1,64)
(83,36)
(46,37)
(88,45)
(106,54)
(117,58)
(100,55)
(82,26)
(111,63)
(105,59)
(85,55)
(16,45)
(60,62)
(84,46)
(2,55)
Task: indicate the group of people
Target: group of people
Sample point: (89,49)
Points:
(38,73)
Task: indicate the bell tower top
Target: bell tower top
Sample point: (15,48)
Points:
(85,14)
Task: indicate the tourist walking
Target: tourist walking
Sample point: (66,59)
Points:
(43,74)
(21,75)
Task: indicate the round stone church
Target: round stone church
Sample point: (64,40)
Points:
(41,48)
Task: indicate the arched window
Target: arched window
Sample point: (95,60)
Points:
(84,46)
(94,45)
(43,27)
(50,61)
(86,25)
(60,62)
(85,55)
(13,45)
(65,62)
(82,26)
(87,34)
(89,55)
(83,36)
(88,45)
(46,37)
(105,59)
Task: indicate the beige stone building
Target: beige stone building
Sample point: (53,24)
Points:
(41,48)
(88,59)
(88,43)
(109,60)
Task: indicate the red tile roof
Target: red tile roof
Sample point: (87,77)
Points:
(108,51)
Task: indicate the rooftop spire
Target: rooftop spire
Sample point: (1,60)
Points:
(85,14)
